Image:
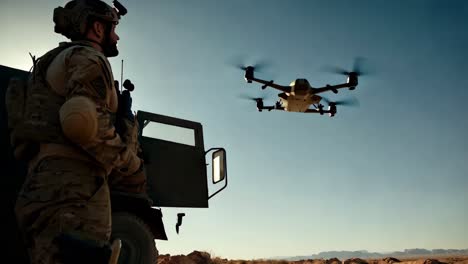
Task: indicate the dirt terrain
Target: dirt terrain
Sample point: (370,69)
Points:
(197,257)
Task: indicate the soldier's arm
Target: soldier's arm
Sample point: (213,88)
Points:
(90,78)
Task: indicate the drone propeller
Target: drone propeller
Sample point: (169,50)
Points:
(356,70)
(345,102)
(239,63)
(258,67)
(256,99)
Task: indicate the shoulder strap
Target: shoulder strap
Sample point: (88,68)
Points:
(43,62)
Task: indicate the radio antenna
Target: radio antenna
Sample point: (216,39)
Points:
(121,77)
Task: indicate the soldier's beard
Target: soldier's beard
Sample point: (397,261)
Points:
(109,48)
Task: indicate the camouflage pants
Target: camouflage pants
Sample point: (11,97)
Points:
(62,195)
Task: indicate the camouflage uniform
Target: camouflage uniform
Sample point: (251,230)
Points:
(66,190)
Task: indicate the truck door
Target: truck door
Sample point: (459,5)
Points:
(175,162)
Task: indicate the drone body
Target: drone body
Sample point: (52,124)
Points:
(299,95)
(300,98)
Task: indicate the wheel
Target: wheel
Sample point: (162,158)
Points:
(138,246)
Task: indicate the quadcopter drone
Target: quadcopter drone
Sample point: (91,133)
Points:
(300,95)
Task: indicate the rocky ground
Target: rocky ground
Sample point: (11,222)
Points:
(197,257)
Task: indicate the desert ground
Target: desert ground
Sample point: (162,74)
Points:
(198,257)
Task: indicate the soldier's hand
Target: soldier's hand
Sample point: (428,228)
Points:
(128,131)
(133,183)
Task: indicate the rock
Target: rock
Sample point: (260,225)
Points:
(164,259)
(432,261)
(355,261)
(196,257)
(181,259)
(200,257)
(333,261)
(423,261)
(390,260)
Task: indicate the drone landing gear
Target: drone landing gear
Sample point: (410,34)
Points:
(334,90)
(267,84)
(278,105)
(269,108)
(261,107)
(320,109)
(331,111)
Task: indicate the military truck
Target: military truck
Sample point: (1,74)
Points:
(177,173)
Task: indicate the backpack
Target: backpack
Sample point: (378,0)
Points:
(33,109)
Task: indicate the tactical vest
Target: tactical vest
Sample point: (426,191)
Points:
(33,109)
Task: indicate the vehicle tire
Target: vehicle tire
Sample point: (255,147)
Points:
(138,246)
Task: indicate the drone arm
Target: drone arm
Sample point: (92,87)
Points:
(269,108)
(286,89)
(316,111)
(313,111)
(333,88)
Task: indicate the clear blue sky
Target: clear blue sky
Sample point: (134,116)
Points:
(389,175)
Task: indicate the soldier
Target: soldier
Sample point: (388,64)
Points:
(69,139)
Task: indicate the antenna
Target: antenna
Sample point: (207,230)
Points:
(121,77)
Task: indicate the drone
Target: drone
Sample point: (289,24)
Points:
(299,96)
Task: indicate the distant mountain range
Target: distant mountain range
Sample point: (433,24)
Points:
(364,254)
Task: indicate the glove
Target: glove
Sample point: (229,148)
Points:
(125,105)
(133,183)
(128,131)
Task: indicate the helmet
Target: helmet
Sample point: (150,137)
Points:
(72,20)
